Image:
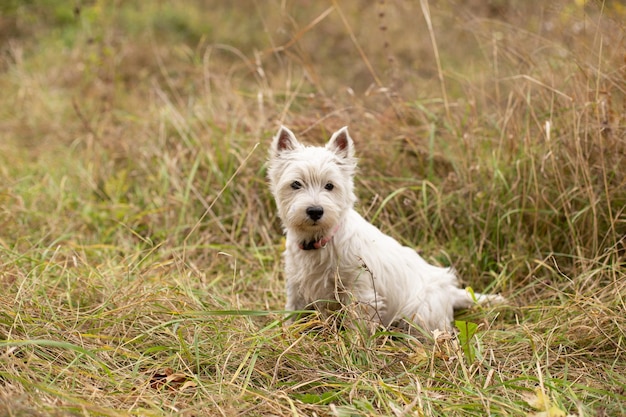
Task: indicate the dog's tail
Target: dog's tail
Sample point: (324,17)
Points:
(468,298)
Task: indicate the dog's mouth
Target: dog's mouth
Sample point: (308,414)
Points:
(313,225)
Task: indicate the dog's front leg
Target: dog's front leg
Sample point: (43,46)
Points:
(295,300)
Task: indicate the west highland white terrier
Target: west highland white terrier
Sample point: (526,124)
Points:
(335,258)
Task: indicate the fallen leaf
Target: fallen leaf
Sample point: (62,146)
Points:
(172,380)
(540,402)
(188,384)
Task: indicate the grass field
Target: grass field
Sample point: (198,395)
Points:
(139,249)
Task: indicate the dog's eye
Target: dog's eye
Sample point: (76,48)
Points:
(329,186)
(296,185)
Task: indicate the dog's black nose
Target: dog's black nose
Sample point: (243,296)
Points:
(315,212)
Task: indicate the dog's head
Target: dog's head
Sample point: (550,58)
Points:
(313,186)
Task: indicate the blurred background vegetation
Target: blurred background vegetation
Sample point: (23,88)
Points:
(514,109)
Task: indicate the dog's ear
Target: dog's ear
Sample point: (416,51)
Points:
(283,141)
(341,143)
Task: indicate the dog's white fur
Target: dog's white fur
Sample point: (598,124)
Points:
(340,259)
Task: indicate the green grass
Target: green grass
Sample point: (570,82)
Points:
(140,252)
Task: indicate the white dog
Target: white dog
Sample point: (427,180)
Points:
(335,258)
